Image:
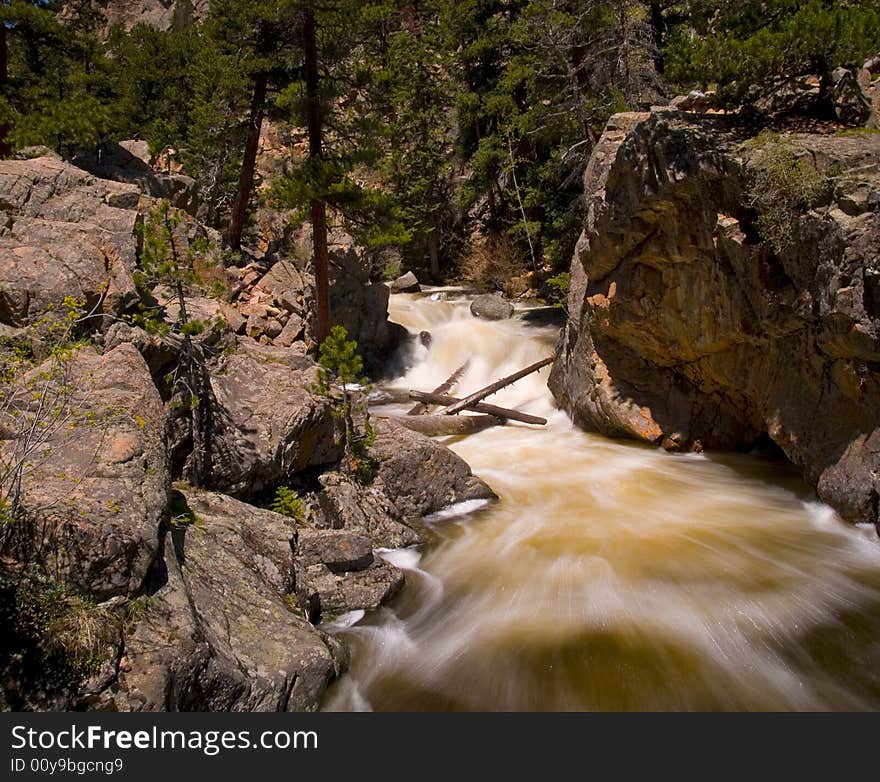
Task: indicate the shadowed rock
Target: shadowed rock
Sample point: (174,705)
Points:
(687,330)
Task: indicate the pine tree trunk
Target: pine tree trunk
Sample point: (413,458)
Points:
(5,148)
(246,180)
(658,29)
(194,386)
(316,151)
(434,253)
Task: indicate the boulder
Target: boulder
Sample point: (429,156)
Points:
(128,162)
(419,475)
(266,423)
(330,595)
(361,306)
(344,504)
(222,632)
(98,490)
(340,550)
(491,306)
(406,283)
(65,233)
(687,330)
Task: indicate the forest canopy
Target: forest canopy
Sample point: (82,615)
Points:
(415,120)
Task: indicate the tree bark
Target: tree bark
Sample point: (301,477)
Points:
(5,148)
(249,162)
(445,387)
(316,153)
(477,396)
(443,425)
(477,407)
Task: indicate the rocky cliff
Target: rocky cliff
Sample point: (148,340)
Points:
(689,328)
(198,598)
(156,13)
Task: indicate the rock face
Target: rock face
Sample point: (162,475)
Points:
(118,163)
(99,485)
(273,302)
(267,424)
(64,233)
(156,13)
(202,601)
(687,330)
(222,632)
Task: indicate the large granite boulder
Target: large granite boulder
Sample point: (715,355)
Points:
(96,482)
(419,475)
(491,306)
(64,233)
(222,631)
(119,163)
(266,423)
(687,330)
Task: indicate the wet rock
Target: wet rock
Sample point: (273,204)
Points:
(332,595)
(407,283)
(686,328)
(421,476)
(490,306)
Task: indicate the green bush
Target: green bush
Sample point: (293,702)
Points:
(340,369)
(783,186)
(558,287)
(288,503)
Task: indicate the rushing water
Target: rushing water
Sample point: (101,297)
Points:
(612,575)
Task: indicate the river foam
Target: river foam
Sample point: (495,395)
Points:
(612,575)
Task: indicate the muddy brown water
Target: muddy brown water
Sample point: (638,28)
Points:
(611,576)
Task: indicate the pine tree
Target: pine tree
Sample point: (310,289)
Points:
(56,90)
(750,49)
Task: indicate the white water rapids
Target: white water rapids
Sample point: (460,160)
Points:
(612,575)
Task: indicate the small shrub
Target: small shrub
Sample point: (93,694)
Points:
(558,288)
(288,503)
(492,261)
(341,368)
(69,632)
(783,187)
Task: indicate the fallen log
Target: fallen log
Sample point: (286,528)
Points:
(479,407)
(440,425)
(388,396)
(470,401)
(421,408)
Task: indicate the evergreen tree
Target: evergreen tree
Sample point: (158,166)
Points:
(750,49)
(55,91)
(264,38)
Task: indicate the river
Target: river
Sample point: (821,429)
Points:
(611,575)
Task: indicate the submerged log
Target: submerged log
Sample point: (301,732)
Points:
(470,401)
(479,407)
(421,408)
(439,425)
